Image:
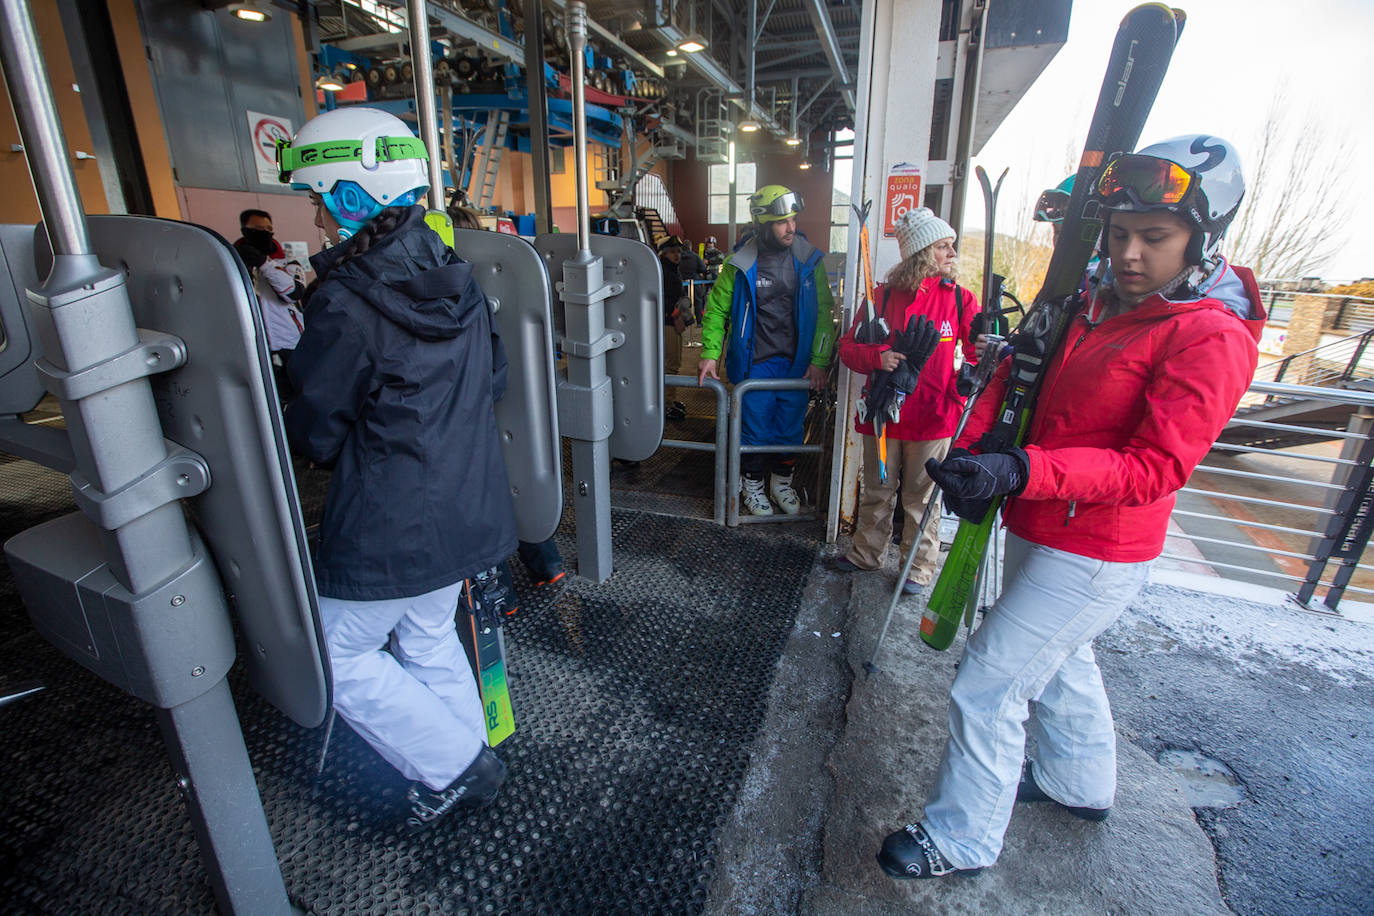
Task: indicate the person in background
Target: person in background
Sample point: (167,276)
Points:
(921,284)
(773,299)
(1052,205)
(397,373)
(1151,370)
(279,292)
(677,315)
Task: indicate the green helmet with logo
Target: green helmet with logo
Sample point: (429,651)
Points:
(773,202)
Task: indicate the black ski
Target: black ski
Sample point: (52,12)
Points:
(1140,58)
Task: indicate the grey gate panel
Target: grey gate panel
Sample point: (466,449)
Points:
(635,368)
(20,387)
(513,277)
(186,280)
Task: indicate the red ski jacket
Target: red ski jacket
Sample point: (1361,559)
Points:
(1127,410)
(932,410)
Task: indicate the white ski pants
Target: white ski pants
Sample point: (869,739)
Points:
(1035,644)
(419,707)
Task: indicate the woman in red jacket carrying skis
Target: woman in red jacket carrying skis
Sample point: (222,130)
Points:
(1148,375)
(922,284)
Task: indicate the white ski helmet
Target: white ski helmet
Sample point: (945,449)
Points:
(359,160)
(1197,176)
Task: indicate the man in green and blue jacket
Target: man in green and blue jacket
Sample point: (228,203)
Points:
(773,301)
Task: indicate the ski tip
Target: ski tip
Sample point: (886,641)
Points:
(1180,20)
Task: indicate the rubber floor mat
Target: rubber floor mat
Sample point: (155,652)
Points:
(636,703)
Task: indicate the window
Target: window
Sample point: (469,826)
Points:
(720,192)
(843,171)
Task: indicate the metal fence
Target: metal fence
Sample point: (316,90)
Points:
(1284,498)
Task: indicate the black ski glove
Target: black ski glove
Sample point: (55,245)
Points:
(972,482)
(250,254)
(916,343)
(872,331)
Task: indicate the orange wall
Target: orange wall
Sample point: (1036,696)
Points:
(138,84)
(19,204)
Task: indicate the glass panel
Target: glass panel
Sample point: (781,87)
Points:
(720,179)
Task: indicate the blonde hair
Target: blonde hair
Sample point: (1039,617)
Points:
(909,272)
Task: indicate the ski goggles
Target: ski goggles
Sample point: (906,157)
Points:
(782,205)
(1144,181)
(327,152)
(1052,206)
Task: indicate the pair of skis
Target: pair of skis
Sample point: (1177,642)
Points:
(1140,57)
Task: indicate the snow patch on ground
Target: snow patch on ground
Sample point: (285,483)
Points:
(1256,625)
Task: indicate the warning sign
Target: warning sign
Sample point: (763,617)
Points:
(264,131)
(903,194)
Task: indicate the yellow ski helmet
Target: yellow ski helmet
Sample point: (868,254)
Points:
(773,202)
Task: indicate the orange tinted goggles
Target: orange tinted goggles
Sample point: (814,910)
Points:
(1144,180)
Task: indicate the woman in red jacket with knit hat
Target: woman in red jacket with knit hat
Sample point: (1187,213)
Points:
(922,284)
(1150,371)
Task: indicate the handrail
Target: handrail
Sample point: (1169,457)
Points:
(1324,556)
(722,443)
(733,517)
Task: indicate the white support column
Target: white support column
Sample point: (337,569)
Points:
(897,72)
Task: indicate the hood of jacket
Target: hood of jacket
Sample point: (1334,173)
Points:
(1229,287)
(410,276)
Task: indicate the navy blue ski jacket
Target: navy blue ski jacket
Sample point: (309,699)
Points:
(397,372)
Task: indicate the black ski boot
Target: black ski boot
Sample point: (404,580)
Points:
(1029,791)
(476,786)
(911,853)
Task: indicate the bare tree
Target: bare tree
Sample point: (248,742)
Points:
(1294,216)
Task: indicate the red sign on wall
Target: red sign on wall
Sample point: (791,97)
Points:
(903,194)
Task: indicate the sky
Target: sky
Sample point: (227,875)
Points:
(1233,56)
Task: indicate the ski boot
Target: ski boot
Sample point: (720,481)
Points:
(780,488)
(1029,791)
(911,853)
(476,786)
(755,499)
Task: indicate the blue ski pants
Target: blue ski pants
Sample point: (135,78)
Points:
(771,418)
(1034,645)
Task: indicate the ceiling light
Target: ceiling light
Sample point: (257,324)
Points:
(691,44)
(748,126)
(793,141)
(671,52)
(249,11)
(805,164)
(330,83)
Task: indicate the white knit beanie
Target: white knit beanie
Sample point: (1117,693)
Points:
(920,228)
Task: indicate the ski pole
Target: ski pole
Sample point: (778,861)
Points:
(992,354)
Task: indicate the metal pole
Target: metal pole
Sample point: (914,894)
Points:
(83,317)
(41,132)
(539,116)
(422,66)
(584,322)
(968,110)
(577,44)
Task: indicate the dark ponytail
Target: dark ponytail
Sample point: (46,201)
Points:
(372,232)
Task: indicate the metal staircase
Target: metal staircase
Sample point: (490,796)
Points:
(489,155)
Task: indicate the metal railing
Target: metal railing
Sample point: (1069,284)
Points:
(732,488)
(1270,522)
(721,445)
(1329,364)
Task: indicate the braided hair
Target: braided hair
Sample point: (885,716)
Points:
(372,232)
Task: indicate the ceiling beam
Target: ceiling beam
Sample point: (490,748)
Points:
(830,44)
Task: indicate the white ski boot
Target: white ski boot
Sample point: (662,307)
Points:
(780,487)
(755,497)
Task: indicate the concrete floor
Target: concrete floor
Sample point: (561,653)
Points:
(1273,701)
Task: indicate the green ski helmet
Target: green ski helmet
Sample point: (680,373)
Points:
(773,202)
(1054,201)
